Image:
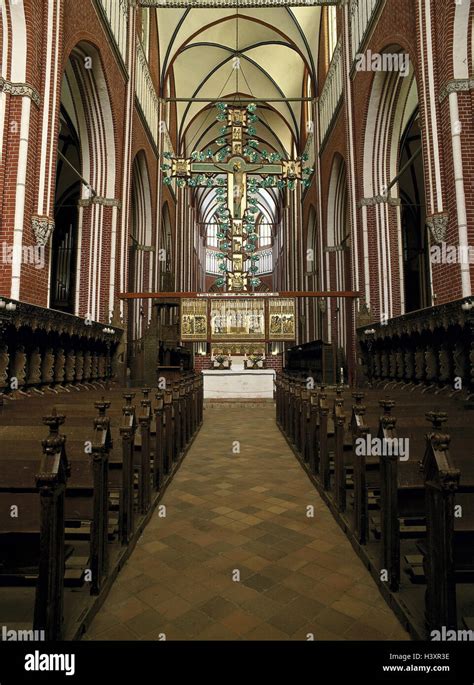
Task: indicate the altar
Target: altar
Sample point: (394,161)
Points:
(238,383)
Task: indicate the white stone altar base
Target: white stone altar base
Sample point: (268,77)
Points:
(238,383)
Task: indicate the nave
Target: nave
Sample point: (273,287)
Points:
(172,516)
(245,512)
(261,201)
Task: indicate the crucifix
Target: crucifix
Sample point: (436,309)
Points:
(235,175)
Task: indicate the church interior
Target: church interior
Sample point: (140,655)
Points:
(236,320)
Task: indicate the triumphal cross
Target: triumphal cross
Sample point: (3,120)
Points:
(237,171)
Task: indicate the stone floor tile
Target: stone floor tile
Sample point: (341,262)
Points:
(298,576)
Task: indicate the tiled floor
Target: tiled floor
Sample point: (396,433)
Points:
(237,556)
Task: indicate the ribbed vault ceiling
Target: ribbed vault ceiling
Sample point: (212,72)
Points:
(276,47)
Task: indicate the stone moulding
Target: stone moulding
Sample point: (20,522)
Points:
(145,248)
(98,200)
(438,224)
(456,86)
(21,89)
(42,227)
(378,200)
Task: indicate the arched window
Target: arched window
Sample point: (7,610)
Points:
(65,236)
(265,235)
(86,141)
(265,263)
(211,262)
(308,105)
(211,236)
(332,30)
(145,37)
(416,268)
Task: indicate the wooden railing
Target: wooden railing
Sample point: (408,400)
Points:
(104,496)
(432,347)
(116,13)
(394,488)
(44,349)
(361,14)
(332,92)
(146,94)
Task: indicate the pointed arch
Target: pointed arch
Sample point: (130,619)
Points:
(141,257)
(337,242)
(393,100)
(85,100)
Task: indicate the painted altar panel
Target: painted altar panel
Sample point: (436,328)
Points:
(282,319)
(194,320)
(237,319)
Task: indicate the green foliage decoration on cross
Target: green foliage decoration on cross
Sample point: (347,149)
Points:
(237,171)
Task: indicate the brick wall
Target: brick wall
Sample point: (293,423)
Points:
(274,361)
(202,362)
(397,27)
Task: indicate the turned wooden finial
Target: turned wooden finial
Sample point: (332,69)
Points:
(160,399)
(54,440)
(358,397)
(102,405)
(54,420)
(387,405)
(128,409)
(437,418)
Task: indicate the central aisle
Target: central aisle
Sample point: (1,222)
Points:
(231,513)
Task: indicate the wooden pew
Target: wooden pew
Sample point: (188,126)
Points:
(339,419)
(159,473)
(101,446)
(322,440)
(86,498)
(313,433)
(35,538)
(403,485)
(359,432)
(127,433)
(449,546)
(168,445)
(144,422)
(389,499)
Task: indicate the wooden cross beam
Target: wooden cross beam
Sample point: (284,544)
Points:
(349,294)
(232,4)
